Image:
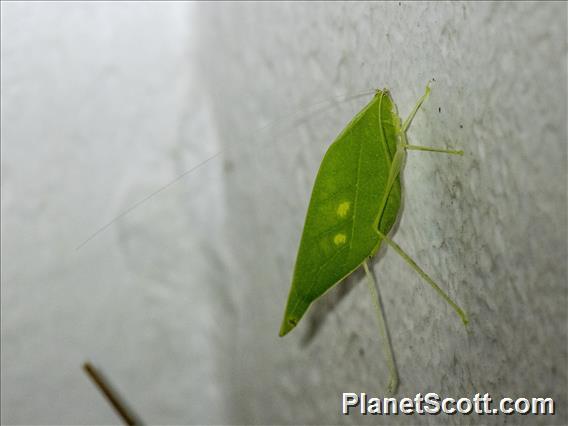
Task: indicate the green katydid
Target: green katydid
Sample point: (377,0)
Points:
(354,204)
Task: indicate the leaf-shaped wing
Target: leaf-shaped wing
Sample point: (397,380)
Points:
(346,200)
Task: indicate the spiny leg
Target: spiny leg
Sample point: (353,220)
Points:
(393,382)
(407,122)
(415,109)
(432,149)
(426,278)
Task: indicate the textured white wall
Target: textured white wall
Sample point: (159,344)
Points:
(490,226)
(99,109)
(180,300)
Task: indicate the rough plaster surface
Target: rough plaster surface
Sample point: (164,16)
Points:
(491,226)
(180,300)
(99,109)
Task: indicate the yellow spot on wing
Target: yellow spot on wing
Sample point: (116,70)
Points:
(339,239)
(343,209)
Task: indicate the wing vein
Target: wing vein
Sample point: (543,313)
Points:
(355,200)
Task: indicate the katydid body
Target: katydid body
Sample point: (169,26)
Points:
(354,204)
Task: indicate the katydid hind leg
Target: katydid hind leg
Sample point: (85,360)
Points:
(386,342)
(425,277)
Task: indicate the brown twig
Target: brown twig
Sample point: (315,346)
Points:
(119,405)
